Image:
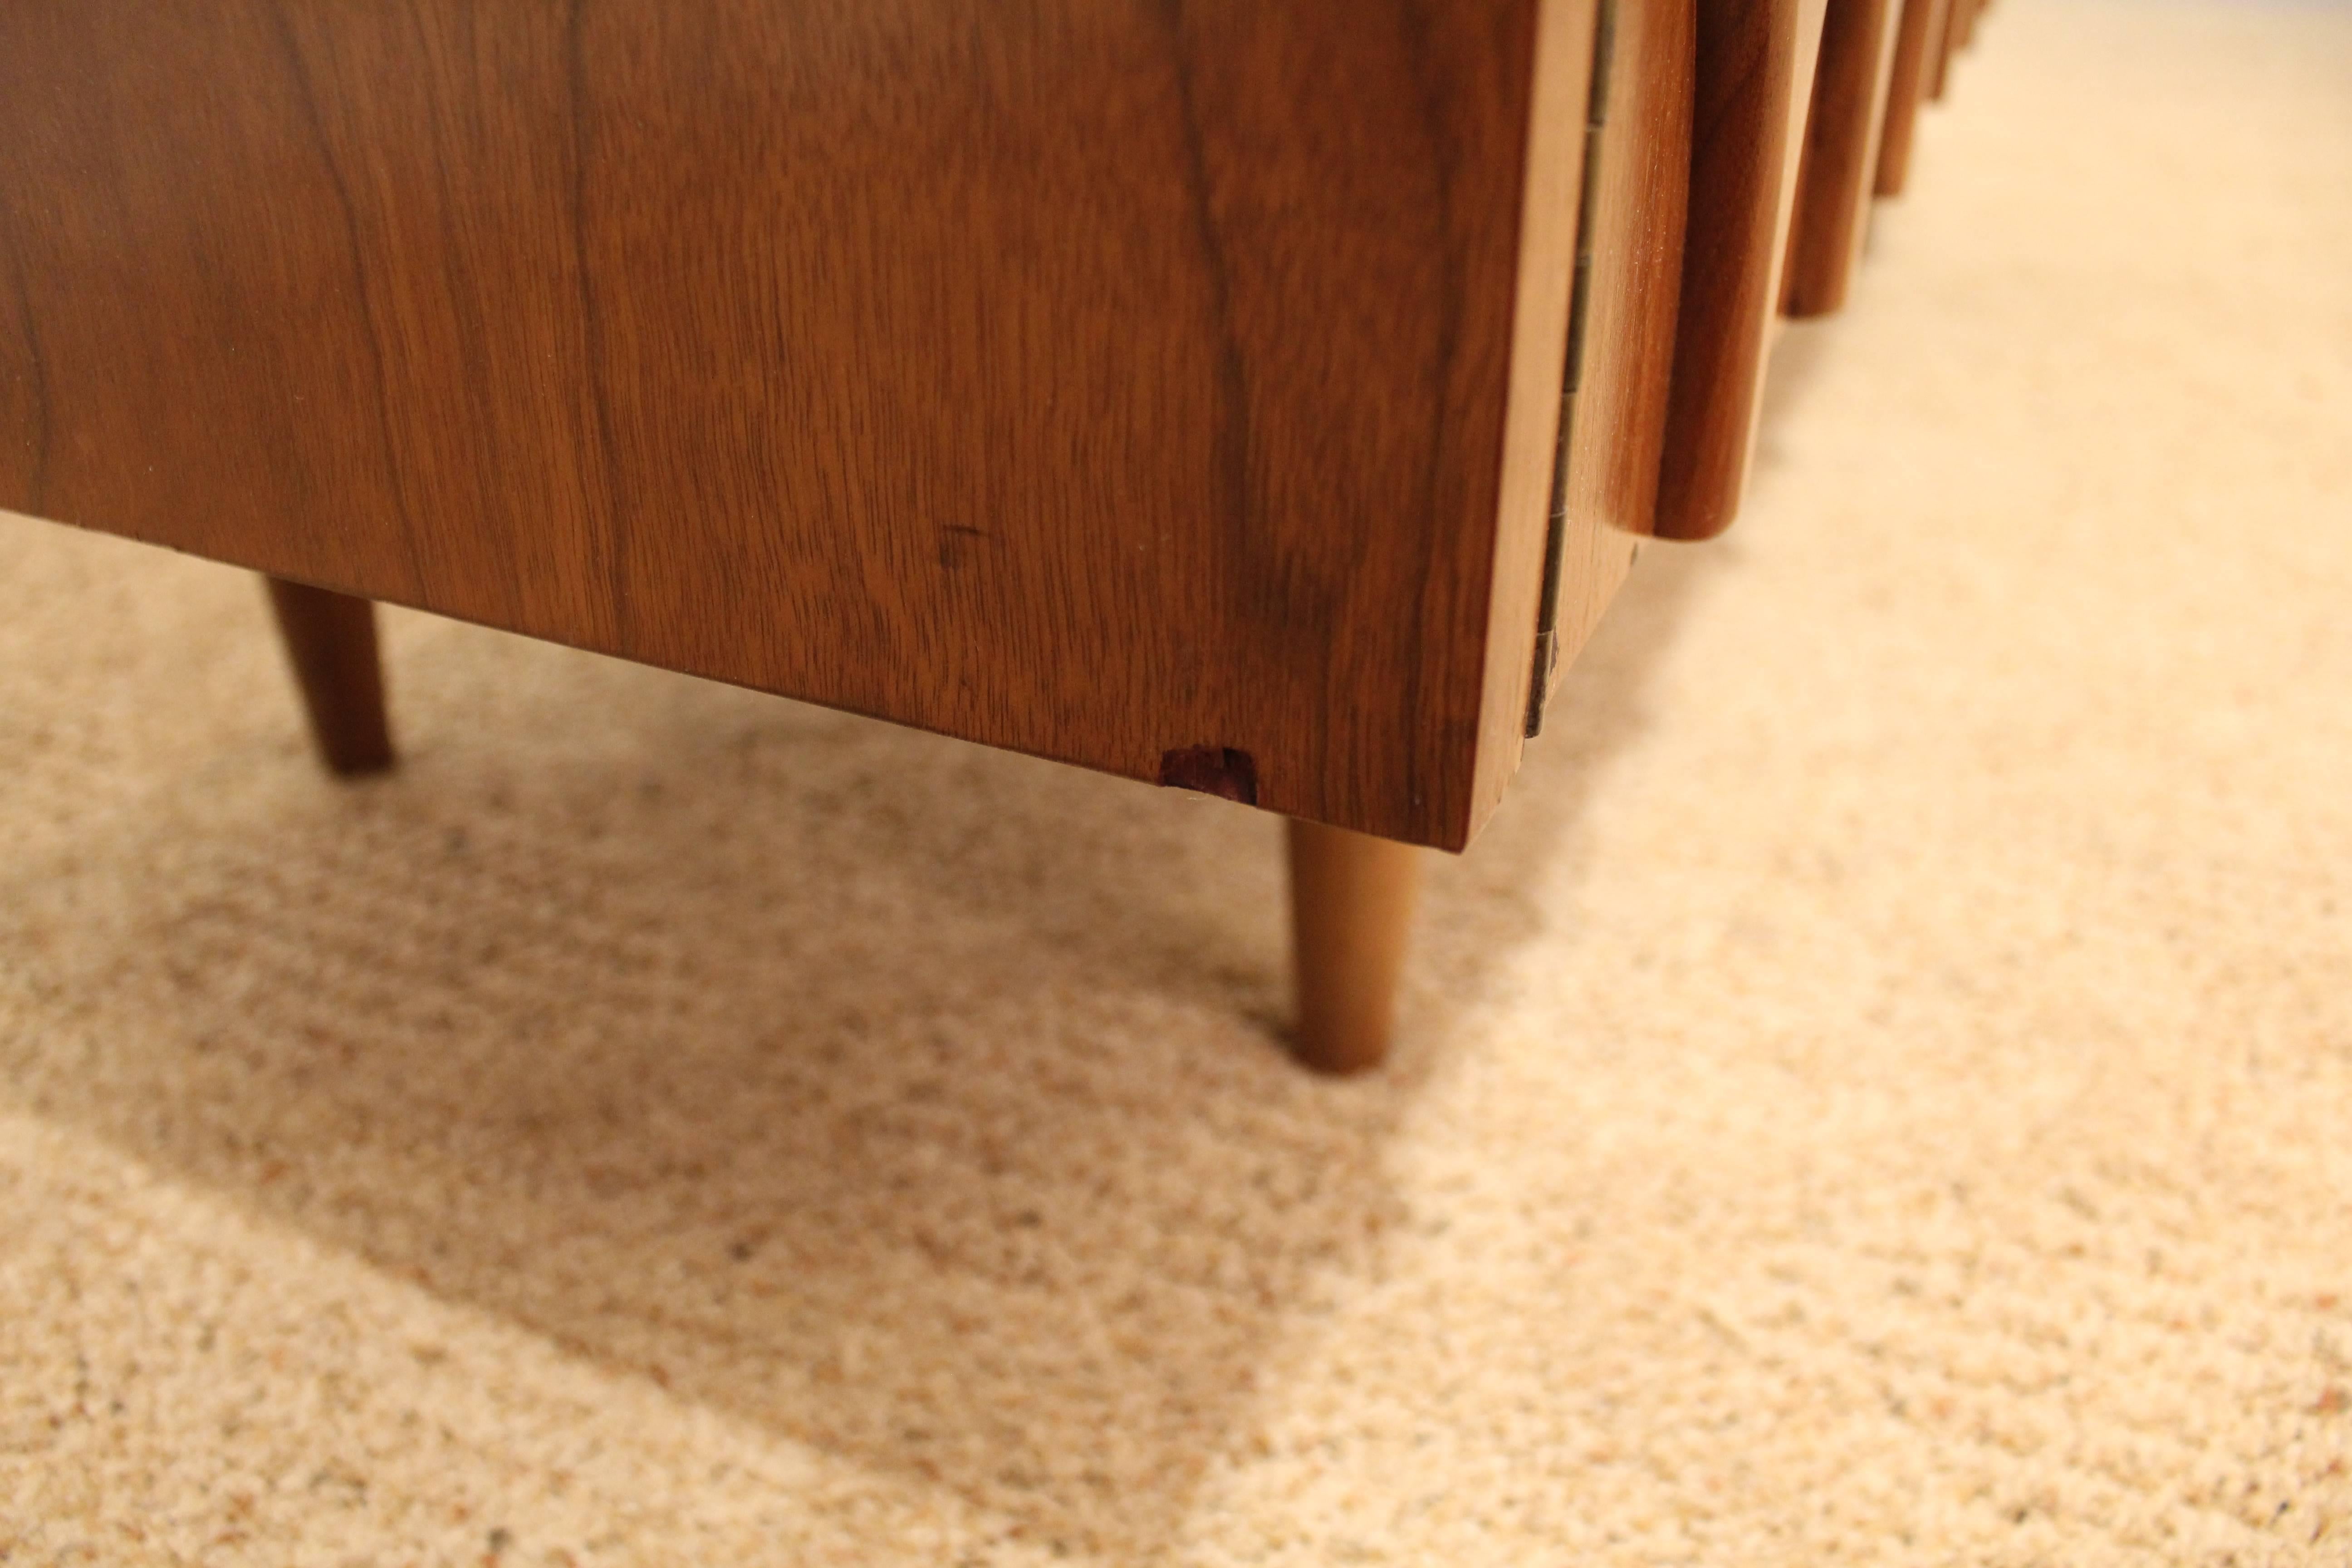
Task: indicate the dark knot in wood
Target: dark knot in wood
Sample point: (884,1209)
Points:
(1212,770)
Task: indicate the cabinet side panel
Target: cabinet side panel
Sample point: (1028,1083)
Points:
(1109,381)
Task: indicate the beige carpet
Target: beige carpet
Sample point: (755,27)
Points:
(1881,1092)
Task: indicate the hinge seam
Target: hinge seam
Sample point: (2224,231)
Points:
(1596,116)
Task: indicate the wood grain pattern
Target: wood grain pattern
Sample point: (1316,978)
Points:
(329,640)
(1097,380)
(1923,21)
(1841,155)
(1351,900)
(1753,80)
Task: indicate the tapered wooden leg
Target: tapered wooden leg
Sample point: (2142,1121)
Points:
(1913,59)
(1939,50)
(1350,908)
(330,638)
(1832,207)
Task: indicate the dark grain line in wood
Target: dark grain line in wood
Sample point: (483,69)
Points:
(305,95)
(610,545)
(25,388)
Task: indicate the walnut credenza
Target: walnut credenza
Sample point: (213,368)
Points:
(1258,396)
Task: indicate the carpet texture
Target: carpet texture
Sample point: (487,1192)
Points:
(1880,1092)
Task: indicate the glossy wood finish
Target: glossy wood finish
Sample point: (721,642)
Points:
(1103,380)
(1635,232)
(1923,22)
(1752,82)
(1840,154)
(1351,900)
(329,640)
